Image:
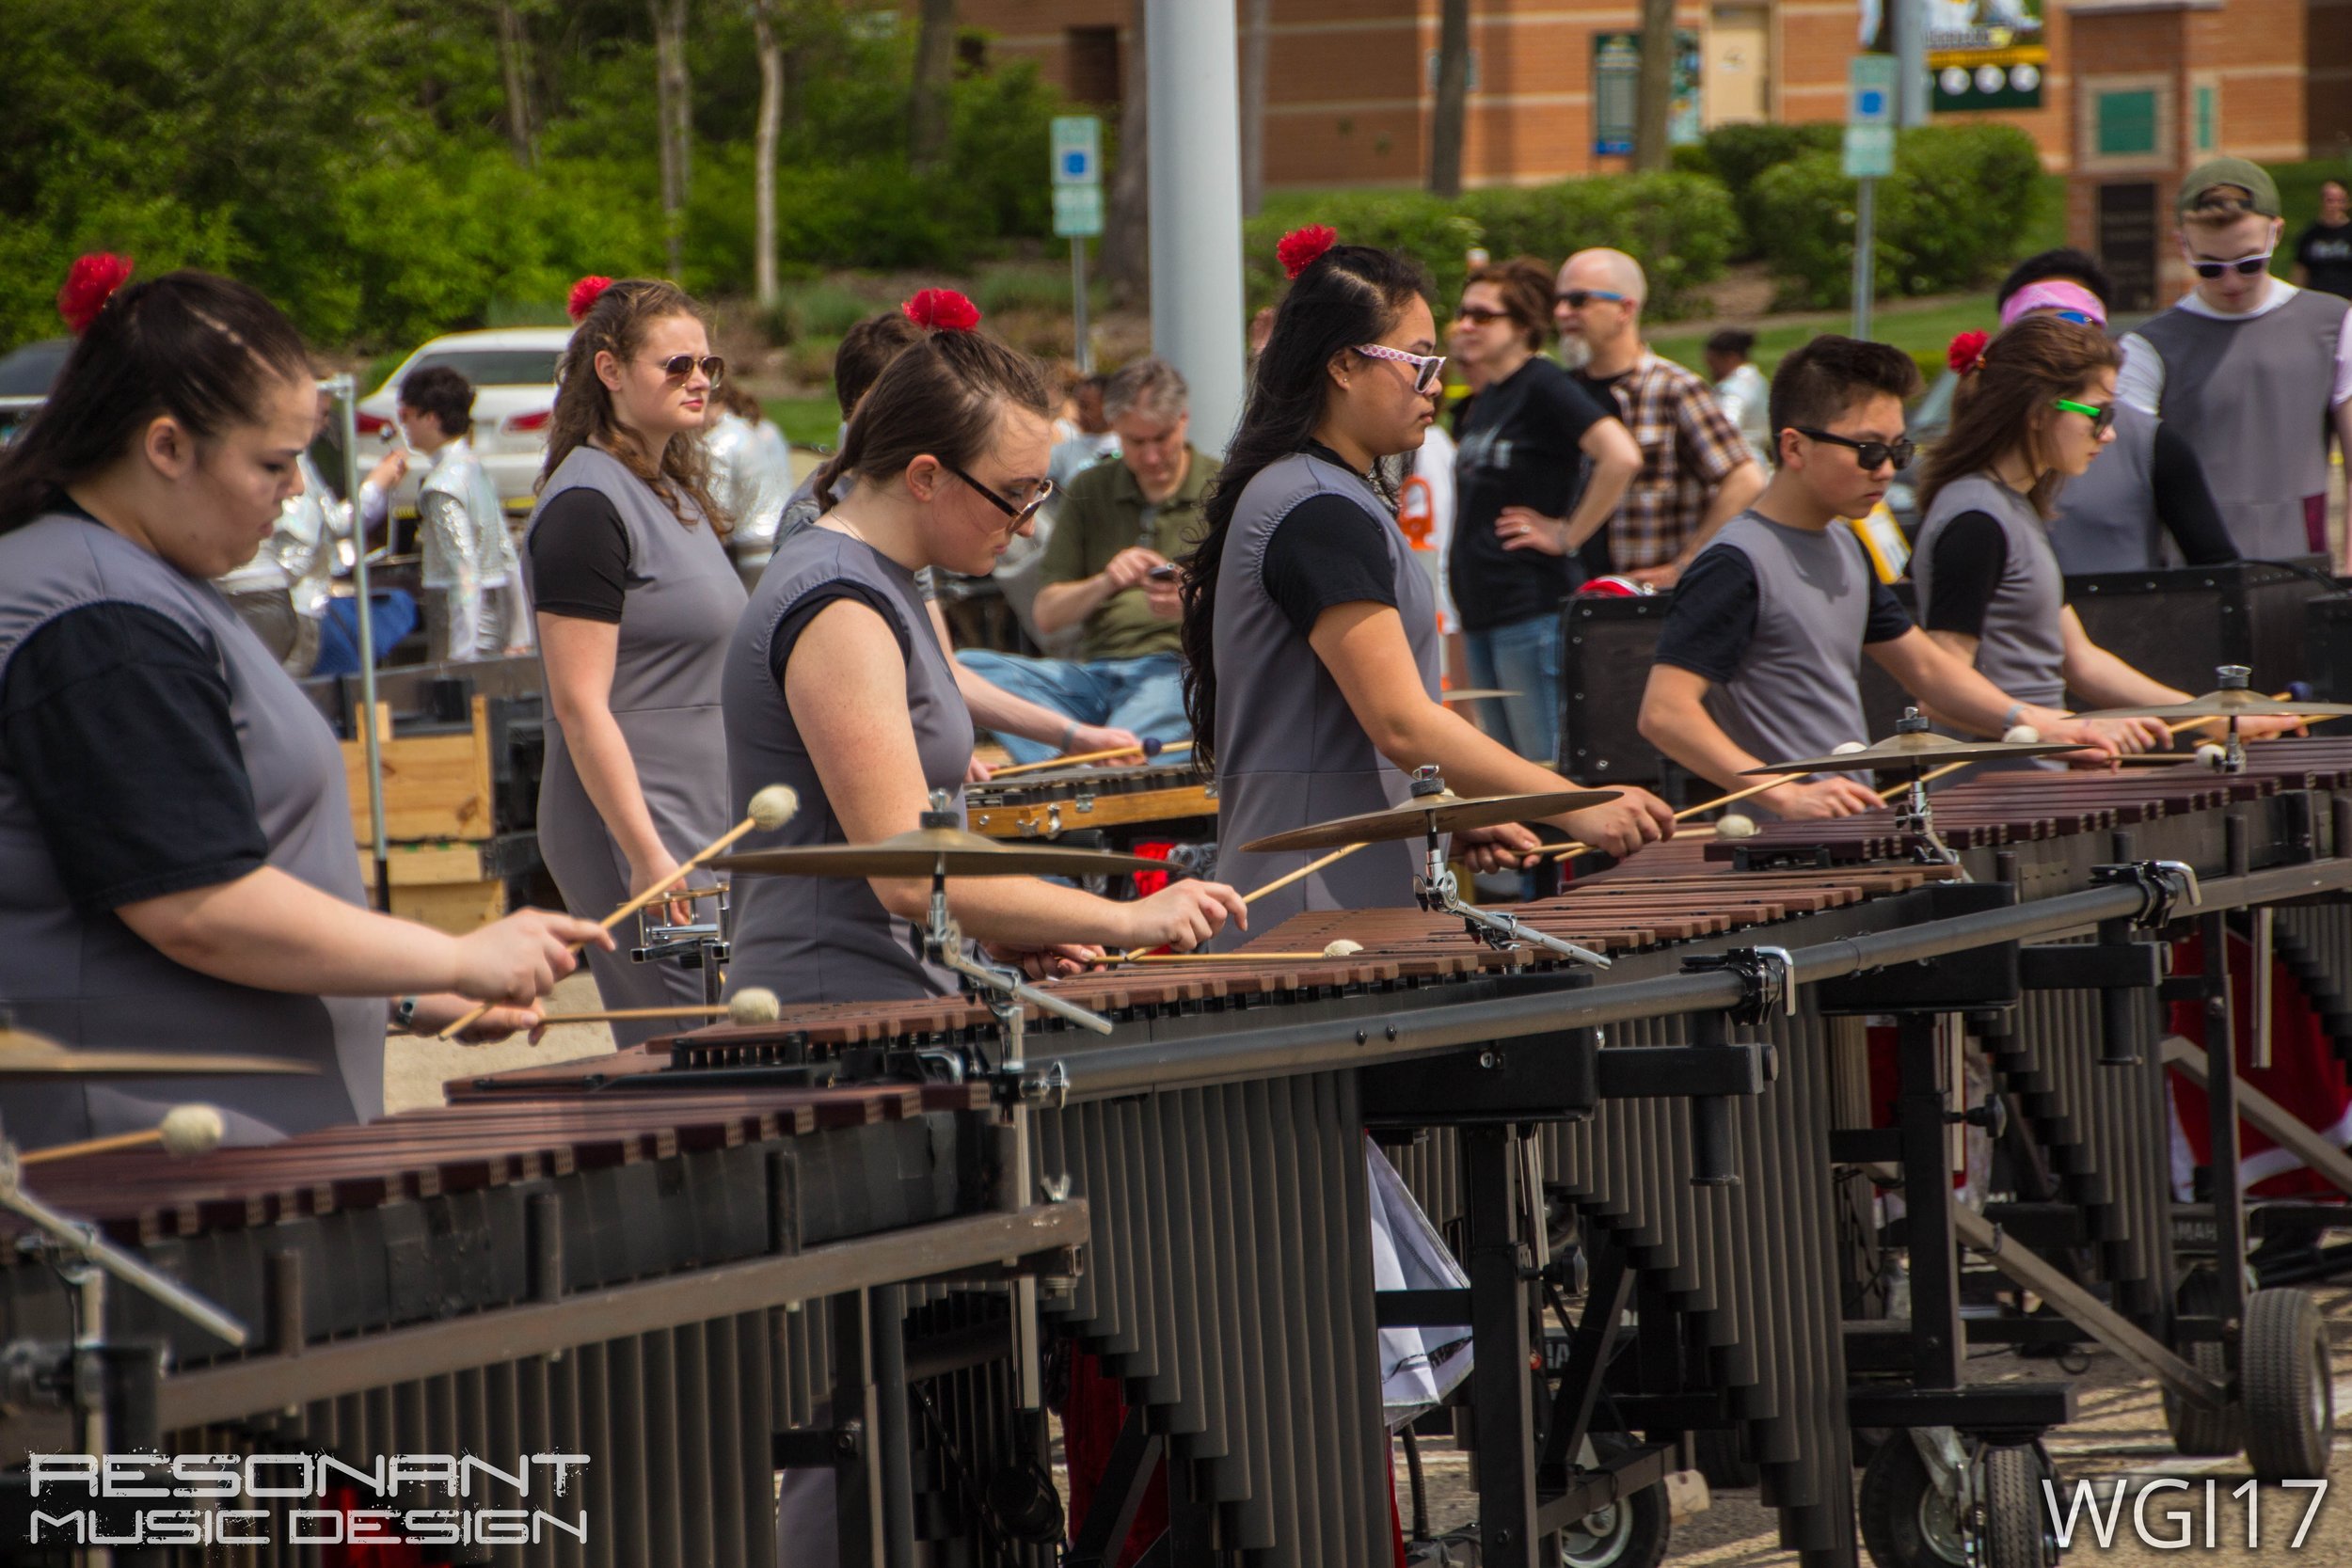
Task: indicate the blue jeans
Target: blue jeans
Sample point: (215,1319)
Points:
(1522,657)
(1145,695)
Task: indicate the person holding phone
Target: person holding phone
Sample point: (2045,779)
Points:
(1110,571)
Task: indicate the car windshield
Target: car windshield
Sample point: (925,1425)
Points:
(497,367)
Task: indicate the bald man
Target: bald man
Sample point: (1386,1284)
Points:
(1696,472)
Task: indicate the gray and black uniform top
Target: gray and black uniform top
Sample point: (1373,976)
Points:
(1308,533)
(829,939)
(1985,570)
(602,546)
(149,744)
(1775,619)
(2142,503)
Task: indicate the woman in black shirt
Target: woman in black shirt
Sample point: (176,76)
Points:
(1525,499)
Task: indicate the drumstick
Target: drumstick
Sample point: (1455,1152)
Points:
(771,807)
(184,1132)
(1339,947)
(752,1005)
(1682,815)
(1285,879)
(1149,748)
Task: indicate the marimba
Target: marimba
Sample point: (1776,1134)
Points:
(1166,796)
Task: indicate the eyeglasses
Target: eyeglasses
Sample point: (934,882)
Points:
(2244,266)
(1872,456)
(1019,513)
(679,365)
(1428,368)
(1478,315)
(1576,299)
(2100,416)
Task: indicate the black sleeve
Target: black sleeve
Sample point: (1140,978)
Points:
(1573,408)
(1889,618)
(1328,551)
(1970,555)
(2184,503)
(796,621)
(117,726)
(579,557)
(1712,616)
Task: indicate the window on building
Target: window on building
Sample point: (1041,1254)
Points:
(1094,73)
(2208,119)
(2127,123)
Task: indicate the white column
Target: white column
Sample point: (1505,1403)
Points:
(1911,51)
(1194,107)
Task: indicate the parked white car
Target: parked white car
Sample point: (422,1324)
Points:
(512,370)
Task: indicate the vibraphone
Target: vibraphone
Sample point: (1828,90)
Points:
(1164,797)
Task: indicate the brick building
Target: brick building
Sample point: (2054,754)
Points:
(1352,81)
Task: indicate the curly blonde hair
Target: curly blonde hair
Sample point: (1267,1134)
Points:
(617,325)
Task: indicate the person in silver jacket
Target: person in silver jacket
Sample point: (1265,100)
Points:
(461,527)
(745,479)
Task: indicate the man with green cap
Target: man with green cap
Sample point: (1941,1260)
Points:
(2252,370)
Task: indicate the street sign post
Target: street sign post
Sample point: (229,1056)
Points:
(1872,108)
(1078,209)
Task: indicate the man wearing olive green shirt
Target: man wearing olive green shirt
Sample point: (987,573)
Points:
(1109,570)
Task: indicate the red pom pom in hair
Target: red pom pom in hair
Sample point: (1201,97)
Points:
(941,311)
(1302,247)
(584,297)
(88,284)
(1967,352)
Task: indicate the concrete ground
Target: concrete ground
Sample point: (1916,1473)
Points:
(2120,1436)
(414,1070)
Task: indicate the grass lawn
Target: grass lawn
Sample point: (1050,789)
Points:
(806,421)
(1922,331)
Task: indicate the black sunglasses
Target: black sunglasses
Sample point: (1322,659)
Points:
(1018,514)
(1478,315)
(1576,299)
(1872,456)
(2244,266)
(679,365)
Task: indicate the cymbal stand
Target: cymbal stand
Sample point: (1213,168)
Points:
(1440,893)
(1915,820)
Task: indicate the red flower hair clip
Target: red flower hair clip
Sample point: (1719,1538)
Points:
(88,284)
(1302,247)
(1967,352)
(584,297)
(941,311)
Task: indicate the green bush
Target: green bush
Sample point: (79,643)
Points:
(1961,200)
(1739,154)
(1022,286)
(1439,236)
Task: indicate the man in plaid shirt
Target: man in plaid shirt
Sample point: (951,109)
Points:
(1696,473)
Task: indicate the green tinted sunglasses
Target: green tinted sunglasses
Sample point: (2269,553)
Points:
(2100,418)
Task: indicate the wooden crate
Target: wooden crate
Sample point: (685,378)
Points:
(435,786)
(449,886)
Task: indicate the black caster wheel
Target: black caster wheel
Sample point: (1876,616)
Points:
(1632,1532)
(2290,1393)
(1907,1521)
(2197,1431)
(2013,1530)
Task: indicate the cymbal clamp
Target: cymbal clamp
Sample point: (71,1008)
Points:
(1437,892)
(2162,885)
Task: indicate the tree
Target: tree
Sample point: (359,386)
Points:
(514,64)
(1654,91)
(764,153)
(1127,226)
(1445,122)
(934,73)
(1255,19)
(673,104)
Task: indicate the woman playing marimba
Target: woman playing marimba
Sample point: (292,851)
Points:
(835,685)
(176,860)
(1310,635)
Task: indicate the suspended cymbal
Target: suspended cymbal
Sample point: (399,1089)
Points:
(1474,694)
(1914,748)
(918,854)
(1443,813)
(2228,702)
(29,1056)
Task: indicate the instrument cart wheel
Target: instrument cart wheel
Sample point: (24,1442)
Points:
(1908,1522)
(2016,1530)
(1632,1532)
(2197,1431)
(2290,1392)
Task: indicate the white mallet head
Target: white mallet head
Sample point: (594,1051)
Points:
(1847,747)
(2213,754)
(1734,824)
(1340,947)
(2021,735)
(191,1130)
(754,1005)
(773,806)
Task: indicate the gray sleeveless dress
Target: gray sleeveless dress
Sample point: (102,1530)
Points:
(91,981)
(682,603)
(2022,648)
(829,939)
(1289,749)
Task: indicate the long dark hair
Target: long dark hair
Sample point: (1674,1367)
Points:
(202,349)
(2013,380)
(939,397)
(1349,295)
(617,324)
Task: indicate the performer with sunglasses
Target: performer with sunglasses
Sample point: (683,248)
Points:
(1759,660)
(2035,407)
(627,569)
(1311,633)
(835,685)
(2254,371)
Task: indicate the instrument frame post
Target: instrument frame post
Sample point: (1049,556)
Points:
(2227,1193)
(1922,1117)
(1502,1399)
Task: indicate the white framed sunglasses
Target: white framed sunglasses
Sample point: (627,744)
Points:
(1428,368)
